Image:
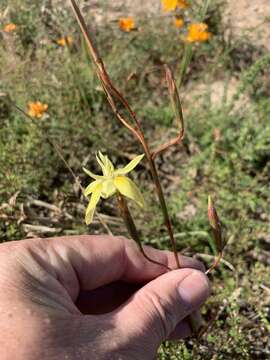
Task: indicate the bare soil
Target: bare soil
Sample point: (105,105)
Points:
(249,17)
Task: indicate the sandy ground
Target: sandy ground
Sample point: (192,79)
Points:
(247,14)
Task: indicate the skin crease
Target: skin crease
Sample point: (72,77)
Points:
(93,297)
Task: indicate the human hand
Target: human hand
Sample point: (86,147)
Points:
(92,297)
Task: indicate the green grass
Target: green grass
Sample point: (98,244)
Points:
(225,152)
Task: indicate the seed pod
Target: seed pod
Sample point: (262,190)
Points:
(215,225)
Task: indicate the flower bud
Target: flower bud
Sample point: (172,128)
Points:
(215,225)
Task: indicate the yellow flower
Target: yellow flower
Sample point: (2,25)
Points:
(127,24)
(112,181)
(171,5)
(10,27)
(179,22)
(37,109)
(66,41)
(198,32)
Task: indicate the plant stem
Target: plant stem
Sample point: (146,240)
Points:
(215,263)
(164,208)
(111,92)
(137,131)
(184,64)
(131,227)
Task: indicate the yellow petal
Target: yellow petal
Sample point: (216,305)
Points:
(108,188)
(93,176)
(92,205)
(105,164)
(109,166)
(92,187)
(100,160)
(127,188)
(133,163)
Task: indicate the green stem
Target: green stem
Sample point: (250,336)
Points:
(131,227)
(185,64)
(164,208)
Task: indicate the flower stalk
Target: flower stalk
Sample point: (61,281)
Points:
(131,227)
(112,94)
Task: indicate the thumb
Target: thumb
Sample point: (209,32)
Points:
(153,312)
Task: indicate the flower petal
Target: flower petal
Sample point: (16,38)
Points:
(133,163)
(92,205)
(105,164)
(127,188)
(100,160)
(108,188)
(93,176)
(109,166)
(92,187)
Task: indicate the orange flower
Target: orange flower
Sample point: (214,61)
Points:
(10,28)
(198,32)
(171,5)
(66,41)
(179,22)
(127,24)
(37,109)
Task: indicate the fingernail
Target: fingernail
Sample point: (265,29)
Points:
(194,290)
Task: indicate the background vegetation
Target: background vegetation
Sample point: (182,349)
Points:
(226,152)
